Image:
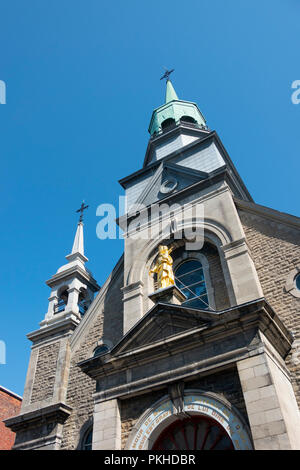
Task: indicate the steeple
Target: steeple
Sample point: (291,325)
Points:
(78,241)
(174,111)
(170,92)
(73,286)
(77,254)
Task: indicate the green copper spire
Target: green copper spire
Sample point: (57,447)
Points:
(174,111)
(170,92)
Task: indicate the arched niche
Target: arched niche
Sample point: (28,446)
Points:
(213,232)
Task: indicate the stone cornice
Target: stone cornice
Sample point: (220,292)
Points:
(234,322)
(63,328)
(74,270)
(211,137)
(58,412)
(219,176)
(268,213)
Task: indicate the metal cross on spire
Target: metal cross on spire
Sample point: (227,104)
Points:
(167,74)
(82,208)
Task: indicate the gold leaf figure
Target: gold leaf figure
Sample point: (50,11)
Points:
(163,268)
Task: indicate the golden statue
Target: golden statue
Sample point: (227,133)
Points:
(163,268)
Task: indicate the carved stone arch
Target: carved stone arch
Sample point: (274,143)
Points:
(163,413)
(213,232)
(61,289)
(87,293)
(62,296)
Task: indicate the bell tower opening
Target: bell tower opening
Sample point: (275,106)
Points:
(188,120)
(168,123)
(83,301)
(62,300)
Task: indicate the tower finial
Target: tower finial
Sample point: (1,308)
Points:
(167,74)
(81,209)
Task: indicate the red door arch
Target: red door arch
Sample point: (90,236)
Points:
(194,433)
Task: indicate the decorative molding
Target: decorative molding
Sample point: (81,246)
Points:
(58,413)
(81,273)
(195,402)
(267,212)
(176,393)
(55,331)
(203,348)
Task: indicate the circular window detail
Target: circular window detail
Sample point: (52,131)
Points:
(189,278)
(168,185)
(194,433)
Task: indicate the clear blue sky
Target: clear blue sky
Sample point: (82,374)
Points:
(82,80)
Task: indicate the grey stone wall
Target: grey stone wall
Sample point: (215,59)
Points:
(107,323)
(225,383)
(275,250)
(133,408)
(45,372)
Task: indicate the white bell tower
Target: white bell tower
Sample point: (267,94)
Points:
(72,287)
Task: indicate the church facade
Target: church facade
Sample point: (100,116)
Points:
(208,360)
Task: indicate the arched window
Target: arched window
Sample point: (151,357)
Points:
(87,440)
(103,348)
(168,123)
(188,119)
(194,433)
(189,278)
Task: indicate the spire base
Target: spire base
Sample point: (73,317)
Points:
(76,256)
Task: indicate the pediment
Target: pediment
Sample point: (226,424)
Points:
(161,322)
(168,179)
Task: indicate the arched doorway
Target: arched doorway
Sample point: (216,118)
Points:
(194,433)
(205,421)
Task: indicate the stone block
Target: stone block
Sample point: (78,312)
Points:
(284,442)
(256,382)
(262,369)
(276,428)
(260,431)
(98,435)
(247,373)
(251,362)
(252,395)
(268,391)
(267,443)
(256,419)
(107,444)
(263,404)
(273,415)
